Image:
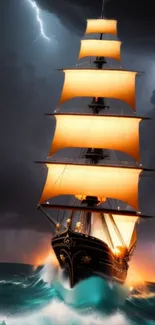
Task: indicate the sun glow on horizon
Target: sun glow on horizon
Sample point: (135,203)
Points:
(44,258)
(139,273)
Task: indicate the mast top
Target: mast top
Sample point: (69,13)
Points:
(102,11)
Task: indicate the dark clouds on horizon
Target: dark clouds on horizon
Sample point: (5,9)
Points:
(28,91)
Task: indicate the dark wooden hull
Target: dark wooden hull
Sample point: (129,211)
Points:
(82,256)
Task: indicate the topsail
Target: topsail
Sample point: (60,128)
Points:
(106,26)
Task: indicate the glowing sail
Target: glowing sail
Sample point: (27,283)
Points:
(110,49)
(112,182)
(106,26)
(124,224)
(108,132)
(98,229)
(118,84)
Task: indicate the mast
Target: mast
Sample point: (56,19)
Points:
(100,61)
(96,154)
(97,104)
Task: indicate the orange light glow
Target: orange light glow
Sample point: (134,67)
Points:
(138,276)
(101,181)
(110,49)
(44,257)
(117,84)
(97,229)
(126,228)
(117,251)
(141,267)
(106,26)
(115,133)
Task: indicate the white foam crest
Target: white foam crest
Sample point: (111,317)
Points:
(57,313)
(52,275)
(49,272)
(17,283)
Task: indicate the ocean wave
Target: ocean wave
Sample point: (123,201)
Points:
(43,297)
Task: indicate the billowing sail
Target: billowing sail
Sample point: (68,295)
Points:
(120,228)
(118,84)
(97,26)
(106,48)
(98,229)
(108,132)
(112,182)
(126,226)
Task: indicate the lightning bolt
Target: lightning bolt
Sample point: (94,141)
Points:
(38,18)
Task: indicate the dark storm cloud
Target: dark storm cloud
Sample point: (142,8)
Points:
(136,25)
(133,14)
(135,20)
(22,101)
(130,10)
(73,13)
(24,246)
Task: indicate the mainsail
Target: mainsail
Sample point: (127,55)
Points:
(74,179)
(118,84)
(108,132)
(105,26)
(95,183)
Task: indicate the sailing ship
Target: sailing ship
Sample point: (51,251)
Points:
(93,238)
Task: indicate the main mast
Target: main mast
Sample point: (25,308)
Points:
(93,155)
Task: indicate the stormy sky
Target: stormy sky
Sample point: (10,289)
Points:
(31,86)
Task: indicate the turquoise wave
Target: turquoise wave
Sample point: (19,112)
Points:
(43,297)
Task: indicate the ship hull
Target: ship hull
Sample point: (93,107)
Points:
(82,256)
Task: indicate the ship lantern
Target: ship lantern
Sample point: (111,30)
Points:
(78,227)
(58,226)
(68,222)
(119,251)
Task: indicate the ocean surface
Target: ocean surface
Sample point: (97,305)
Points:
(41,296)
